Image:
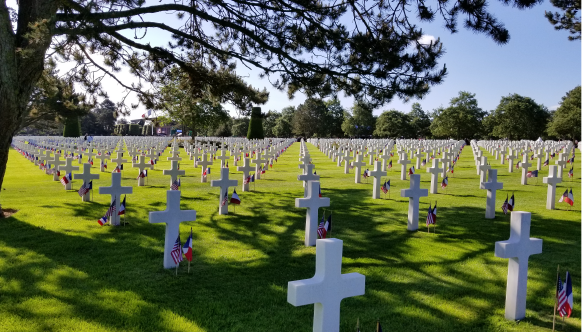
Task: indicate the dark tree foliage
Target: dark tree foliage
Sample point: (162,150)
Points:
(269,123)
(517,117)
(284,125)
(368,49)
(101,120)
(420,122)
(566,121)
(335,118)
(569,19)
(394,124)
(309,119)
(240,127)
(362,121)
(72,127)
(461,120)
(55,101)
(256,124)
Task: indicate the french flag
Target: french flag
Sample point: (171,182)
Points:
(234,199)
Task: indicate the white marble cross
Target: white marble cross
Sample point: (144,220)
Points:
(102,158)
(174,172)
(204,163)
(511,158)
(327,287)
(306,160)
(258,161)
(141,166)
(115,190)
(57,163)
(404,162)
(518,249)
(223,157)
(483,169)
(358,164)
(312,202)
(308,176)
(552,179)
(172,216)
(86,176)
(434,175)
(175,156)
(224,183)
(385,157)
(347,159)
(525,164)
(561,162)
(414,193)
(492,186)
(119,160)
(68,168)
(377,173)
(418,156)
(246,169)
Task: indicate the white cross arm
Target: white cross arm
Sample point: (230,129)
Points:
(309,291)
(312,203)
(492,185)
(514,248)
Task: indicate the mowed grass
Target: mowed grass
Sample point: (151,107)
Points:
(61,271)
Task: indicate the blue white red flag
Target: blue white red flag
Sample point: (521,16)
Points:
(187,248)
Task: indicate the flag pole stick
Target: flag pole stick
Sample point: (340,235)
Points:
(434,230)
(556,300)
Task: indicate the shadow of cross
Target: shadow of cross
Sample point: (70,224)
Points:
(518,249)
(327,287)
(172,216)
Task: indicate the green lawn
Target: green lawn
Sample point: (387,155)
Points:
(61,271)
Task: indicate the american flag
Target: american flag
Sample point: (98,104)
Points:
(547,162)
(445,182)
(247,179)
(64,180)
(366,173)
(83,190)
(321,231)
(430,217)
(224,200)
(504,207)
(177,251)
(564,295)
(111,209)
(411,170)
(571,172)
(532,174)
(175,185)
(385,187)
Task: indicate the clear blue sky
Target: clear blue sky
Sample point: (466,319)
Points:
(538,62)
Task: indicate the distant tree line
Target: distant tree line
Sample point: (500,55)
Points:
(516,117)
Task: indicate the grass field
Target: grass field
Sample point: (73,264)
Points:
(61,271)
